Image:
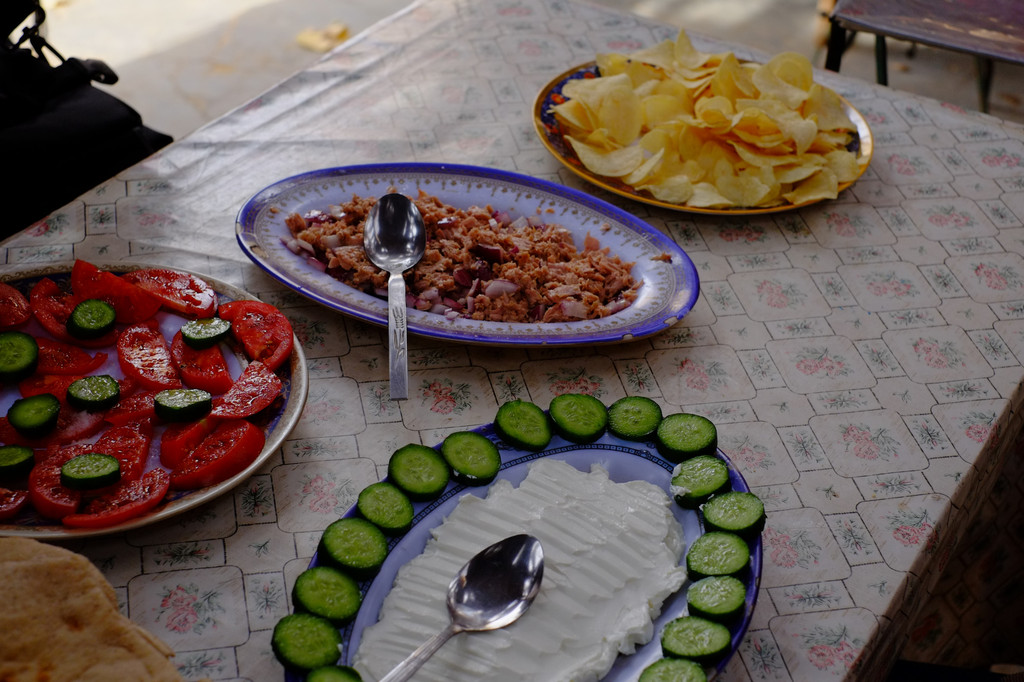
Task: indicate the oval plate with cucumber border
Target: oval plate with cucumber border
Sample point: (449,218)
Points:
(624,461)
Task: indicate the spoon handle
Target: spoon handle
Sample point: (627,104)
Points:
(398,328)
(404,670)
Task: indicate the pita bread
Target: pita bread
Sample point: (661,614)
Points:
(60,622)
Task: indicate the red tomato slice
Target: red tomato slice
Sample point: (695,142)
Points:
(125,502)
(51,308)
(178,291)
(56,384)
(129,443)
(131,303)
(49,497)
(264,332)
(144,356)
(206,369)
(12,502)
(179,440)
(255,389)
(14,308)
(57,357)
(231,447)
(132,409)
(72,426)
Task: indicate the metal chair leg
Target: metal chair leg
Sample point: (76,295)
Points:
(836,46)
(985,68)
(881,61)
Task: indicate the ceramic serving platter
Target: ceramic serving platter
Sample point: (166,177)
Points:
(670,282)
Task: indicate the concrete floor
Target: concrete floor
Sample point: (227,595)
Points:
(185,62)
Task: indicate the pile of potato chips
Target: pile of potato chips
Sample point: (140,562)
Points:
(708,131)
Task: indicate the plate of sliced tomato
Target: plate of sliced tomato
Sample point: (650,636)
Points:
(256,379)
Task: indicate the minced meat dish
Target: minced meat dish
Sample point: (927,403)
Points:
(478,264)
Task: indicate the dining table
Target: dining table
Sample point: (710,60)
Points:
(861,357)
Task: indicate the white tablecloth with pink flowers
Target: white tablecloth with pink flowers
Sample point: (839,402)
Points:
(862,357)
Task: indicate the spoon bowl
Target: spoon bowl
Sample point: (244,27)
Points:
(394,239)
(491,591)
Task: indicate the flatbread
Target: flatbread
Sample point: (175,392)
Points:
(60,622)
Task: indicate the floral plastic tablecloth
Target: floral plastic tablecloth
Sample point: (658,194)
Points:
(862,357)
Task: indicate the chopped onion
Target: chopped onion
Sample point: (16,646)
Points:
(332,241)
(573,308)
(431,294)
(497,287)
(617,305)
(439,308)
(519,223)
(318,264)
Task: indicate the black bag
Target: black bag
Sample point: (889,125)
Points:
(59,135)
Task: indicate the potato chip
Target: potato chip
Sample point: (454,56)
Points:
(676,189)
(706,195)
(787,77)
(660,109)
(642,172)
(614,163)
(731,80)
(825,108)
(713,112)
(789,173)
(620,112)
(843,164)
(821,185)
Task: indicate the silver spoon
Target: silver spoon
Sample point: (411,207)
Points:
(491,591)
(394,240)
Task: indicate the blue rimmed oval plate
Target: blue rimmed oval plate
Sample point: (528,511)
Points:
(670,282)
(624,461)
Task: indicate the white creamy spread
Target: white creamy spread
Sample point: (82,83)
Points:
(611,558)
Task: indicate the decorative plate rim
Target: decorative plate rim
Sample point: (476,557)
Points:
(545,128)
(297,384)
(674,283)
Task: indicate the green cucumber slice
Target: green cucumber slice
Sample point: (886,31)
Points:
(695,638)
(19,355)
(683,435)
(182,404)
(420,472)
(90,471)
(91,319)
(94,393)
(386,507)
(355,546)
(717,553)
(673,670)
(634,417)
(718,597)
(327,592)
(578,417)
(697,479)
(334,673)
(34,416)
(473,458)
(523,424)
(735,512)
(15,461)
(302,641)
(204,332)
